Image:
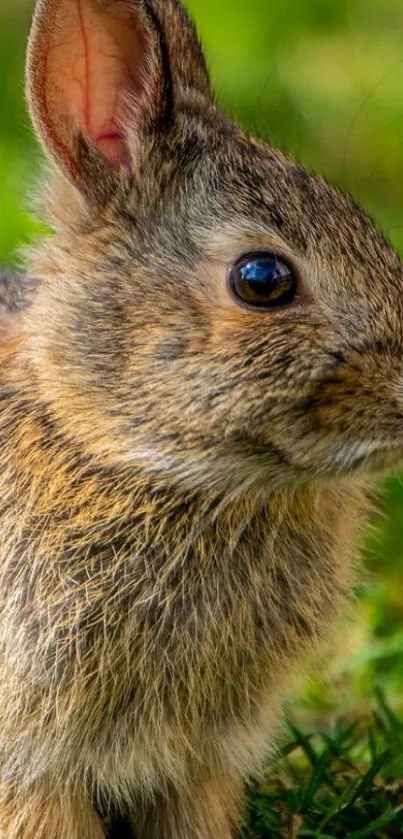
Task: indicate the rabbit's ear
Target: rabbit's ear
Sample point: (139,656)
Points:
(102,71)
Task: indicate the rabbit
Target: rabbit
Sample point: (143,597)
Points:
(204,377)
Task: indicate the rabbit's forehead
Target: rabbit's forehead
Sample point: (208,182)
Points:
(267,199)
(243,186)
(212,194)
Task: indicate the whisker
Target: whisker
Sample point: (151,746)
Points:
(254,124)
(260,97)
(380,161)
(361,108)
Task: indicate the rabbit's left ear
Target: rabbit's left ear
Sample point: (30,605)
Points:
(101,72)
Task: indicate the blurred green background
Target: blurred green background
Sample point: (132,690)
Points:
(323,80)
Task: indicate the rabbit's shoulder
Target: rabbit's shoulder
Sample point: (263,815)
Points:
(15,292)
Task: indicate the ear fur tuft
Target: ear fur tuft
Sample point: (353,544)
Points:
(101,70)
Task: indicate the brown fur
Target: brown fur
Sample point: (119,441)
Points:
(47,812)
(181,476)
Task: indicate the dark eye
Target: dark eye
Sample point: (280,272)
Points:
(263,280)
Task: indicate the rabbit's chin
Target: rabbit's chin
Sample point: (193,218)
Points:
(270,470)
(367,457)
(341,461)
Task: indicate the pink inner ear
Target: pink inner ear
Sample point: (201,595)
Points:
(92,60)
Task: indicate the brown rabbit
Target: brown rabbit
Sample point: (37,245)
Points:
(209,364)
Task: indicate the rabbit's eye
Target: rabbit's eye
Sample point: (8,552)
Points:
(263,280)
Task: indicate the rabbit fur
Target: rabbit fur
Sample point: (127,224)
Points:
(184,479)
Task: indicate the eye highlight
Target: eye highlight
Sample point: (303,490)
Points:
(263,280)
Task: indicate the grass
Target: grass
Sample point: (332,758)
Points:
(344,781)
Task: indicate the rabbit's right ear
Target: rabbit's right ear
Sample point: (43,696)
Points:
(100,73)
